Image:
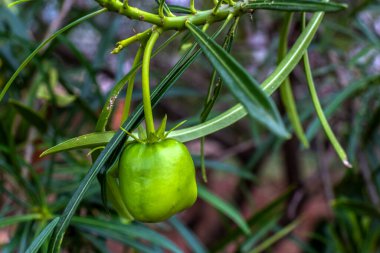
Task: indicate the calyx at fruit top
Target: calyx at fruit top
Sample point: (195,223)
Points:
(159,135)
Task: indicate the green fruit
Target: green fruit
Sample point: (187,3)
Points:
(157,180)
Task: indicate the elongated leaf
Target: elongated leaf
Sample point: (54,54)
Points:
(276,237)
(133,231)
(258,235)
(92,140)
(246,89)
(295,5)
(318,108)
(286,92)
(31,116)
(358,207)
(17,3)
(224,207)
(192,240)
(179,9)
(7,221)
(226,167)
(353,89)
(273,209)
(41,238)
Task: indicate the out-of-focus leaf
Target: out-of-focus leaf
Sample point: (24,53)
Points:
(286,92)
(275,237)
(42,45)
(358,207)
(7,221)
(41,238)
(133,231)
(259,234)
(192,240)
(226,167)
(224,207)
(261,217)
(31,116)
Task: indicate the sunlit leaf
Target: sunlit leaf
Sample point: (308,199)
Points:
(246,89)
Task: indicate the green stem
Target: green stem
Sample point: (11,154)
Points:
(216,8)
(318,108)
(176,22)
(192,7)
(138,37)
(145,81)
(161,8)
(128,95)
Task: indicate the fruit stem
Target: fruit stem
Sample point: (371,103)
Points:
(145,80)
(128,95)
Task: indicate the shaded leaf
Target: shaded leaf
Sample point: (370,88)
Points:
(43,44)
(275,237)
(224,207)
(133,231)
(41,238)
(7,221)
(358,207)
(192,240)
(31,116)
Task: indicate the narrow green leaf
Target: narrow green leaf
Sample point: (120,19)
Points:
(246,89)
(353,89)
(224,207)
(259,234)
(162,127)
(31,116)
(227,168)
(92,140)
(273,209)
(191,239)
(294,55)
(318,108)
(134,231)
(276,237)
(358,207)
(41,238)
(114,235)
(43,44)
(10,5)
(286,92)
(179,9)
(7,221)
(295,5)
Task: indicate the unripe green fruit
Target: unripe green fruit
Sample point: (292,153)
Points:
(157,180)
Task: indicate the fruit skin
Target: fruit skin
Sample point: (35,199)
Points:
(157,180)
